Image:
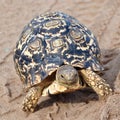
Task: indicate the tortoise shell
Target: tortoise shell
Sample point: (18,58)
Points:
(51,40)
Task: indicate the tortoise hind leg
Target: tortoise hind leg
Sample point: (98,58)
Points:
(96,82)
(31,99)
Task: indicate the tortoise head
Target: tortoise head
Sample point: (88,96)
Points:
(67,75)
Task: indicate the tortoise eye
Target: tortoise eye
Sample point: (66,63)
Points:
(62,76)
(36,44)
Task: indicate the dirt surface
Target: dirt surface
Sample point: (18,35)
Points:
(103,18)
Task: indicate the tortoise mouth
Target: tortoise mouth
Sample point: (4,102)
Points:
(73,82)
(68,82)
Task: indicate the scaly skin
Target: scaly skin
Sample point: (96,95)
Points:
(31,99)
(57,88)
(67,80)
(97,83)
(91,78)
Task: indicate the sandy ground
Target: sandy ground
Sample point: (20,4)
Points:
(103,18)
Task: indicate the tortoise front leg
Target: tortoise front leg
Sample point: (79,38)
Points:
(96,82)
(31,99)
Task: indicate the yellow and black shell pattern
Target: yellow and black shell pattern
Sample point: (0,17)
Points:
(51,40)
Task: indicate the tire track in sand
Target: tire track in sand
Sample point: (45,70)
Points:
(109,38)
(103,19)
(108,33)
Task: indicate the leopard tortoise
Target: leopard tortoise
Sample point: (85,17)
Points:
(56,54)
